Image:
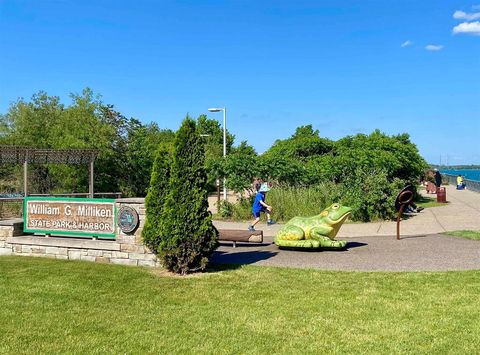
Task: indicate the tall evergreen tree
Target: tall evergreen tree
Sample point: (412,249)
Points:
(156,196)
(188,236)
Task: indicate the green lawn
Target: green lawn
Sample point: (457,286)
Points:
(427,202)
(50,306)
(474,235)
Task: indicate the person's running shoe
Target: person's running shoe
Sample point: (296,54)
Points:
(251,229)
(269,223)
(420,208)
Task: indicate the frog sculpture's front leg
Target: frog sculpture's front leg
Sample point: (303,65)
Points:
(291,236)
(321,234)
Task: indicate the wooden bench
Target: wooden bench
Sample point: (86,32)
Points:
(235,235)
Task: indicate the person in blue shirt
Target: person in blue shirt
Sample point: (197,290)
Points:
(259,206)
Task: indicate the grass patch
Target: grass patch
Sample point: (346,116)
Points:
(473,235)
(427,202)
(51,306)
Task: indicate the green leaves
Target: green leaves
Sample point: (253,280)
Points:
(156,197)
(126,146)
(187,235)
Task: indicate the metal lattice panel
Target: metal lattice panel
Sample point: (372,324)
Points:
(20,155)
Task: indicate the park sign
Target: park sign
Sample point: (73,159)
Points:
(69,216)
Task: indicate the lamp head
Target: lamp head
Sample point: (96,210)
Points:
(215,109)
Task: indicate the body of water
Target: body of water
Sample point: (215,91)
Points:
(470,174)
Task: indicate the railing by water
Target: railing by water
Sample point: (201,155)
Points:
(471,184)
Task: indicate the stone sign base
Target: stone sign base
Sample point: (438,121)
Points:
(126,249)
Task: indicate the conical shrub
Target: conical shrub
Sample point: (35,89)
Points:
(188,236)
(156,196)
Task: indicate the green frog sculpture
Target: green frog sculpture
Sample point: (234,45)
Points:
(315,232)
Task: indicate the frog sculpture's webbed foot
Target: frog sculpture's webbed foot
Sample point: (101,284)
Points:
(327,243)
(320,234)
(304,244)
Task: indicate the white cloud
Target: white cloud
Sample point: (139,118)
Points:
(406,44)
(433,47)
(469,16)
(472,28)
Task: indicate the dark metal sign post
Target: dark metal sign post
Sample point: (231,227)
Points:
(404,198)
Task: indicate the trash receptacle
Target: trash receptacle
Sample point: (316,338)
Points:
(441,195)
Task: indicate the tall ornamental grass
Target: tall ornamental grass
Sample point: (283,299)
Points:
(370,195)
(287,202)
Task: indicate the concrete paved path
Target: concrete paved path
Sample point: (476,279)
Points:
(373,246)
(373,253)
(462,212)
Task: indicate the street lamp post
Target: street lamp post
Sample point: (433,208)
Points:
(224,109)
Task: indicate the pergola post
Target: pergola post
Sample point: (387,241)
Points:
(25,177)
(90,179)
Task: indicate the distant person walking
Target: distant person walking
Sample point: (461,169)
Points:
(438,178)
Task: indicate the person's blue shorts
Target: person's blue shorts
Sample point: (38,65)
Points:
(256,214)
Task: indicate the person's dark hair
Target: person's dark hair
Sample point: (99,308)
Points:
(257,183)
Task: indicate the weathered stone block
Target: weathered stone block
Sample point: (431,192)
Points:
(6,232)
(137,256)
(124,261)
(74,254)
(38,250)
(87,258)
(56,251)
(130,248)
(95,253)
(126,238)
(17,248)
(101,259)
(5,251)
(119,255)
(2,244)
(71,243)
(150,256)
(62,257)
(26,249)
(148,263)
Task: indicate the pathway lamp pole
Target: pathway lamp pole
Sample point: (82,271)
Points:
(224,109)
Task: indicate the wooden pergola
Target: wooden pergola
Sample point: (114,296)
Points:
(10,154)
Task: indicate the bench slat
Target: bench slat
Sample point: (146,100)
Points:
(235,235)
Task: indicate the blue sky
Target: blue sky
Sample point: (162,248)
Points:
(343,66)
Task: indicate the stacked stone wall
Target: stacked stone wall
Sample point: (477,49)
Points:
(126,249)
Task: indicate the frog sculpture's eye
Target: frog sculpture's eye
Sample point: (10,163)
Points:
(335,206)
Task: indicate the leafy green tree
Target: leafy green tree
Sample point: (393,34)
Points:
(212,134)
(126,146)
(156,196)
(240,167)
(142,141)
(188,235)
(32,124)
(304,144)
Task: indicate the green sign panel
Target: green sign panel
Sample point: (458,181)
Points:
(69,216)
